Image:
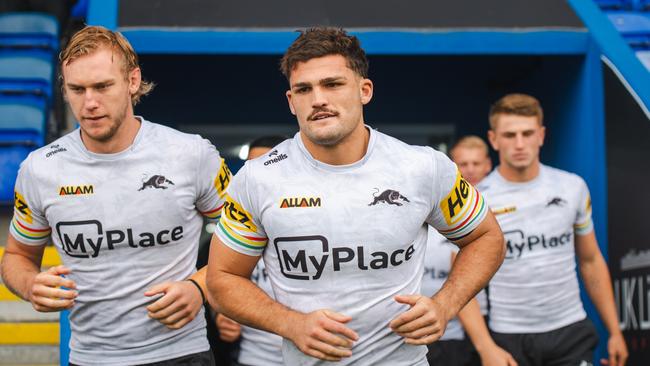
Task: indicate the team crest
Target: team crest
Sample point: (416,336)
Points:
(156,181)
(389,196)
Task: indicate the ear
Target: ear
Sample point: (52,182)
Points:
(135,78)
(542,135)
(365,89)
(492,137)
(293,110)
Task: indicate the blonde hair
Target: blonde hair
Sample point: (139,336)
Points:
(517,104)
(90,39)
(470,142)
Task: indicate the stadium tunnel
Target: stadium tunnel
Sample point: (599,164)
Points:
(437,67)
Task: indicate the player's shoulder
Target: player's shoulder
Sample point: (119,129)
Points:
(275,161)
(60,148)
(490,182)
(561,178)
(394,149)
(161,132)
(172,141)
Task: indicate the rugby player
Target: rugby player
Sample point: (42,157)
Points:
(471,155)
(340,214)
(257,347)
(122,200)
(545,213)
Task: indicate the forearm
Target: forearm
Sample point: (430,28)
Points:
(474,324)
(18,274)
(598,284)
(241,300)
(475,264)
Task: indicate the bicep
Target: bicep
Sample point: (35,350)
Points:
(488,227)
(225,259)
(34,253)
(587,248)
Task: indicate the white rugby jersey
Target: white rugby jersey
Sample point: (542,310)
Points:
(257,347)
(437,265)
(123,223)
(536,289)
(348,238)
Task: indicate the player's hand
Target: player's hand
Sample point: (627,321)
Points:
(496,356)
(179,304)
(323,334)
(617,351)
(423,323)
(46,294)
(229,330)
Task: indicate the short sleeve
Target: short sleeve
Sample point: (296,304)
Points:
(458,208)
(28,225)
(583,224)
(212,180)
(239,227)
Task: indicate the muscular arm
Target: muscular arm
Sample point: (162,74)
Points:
(20,264)
(22,275)
(481,254)
(320,334)
(474,325)
(595,276)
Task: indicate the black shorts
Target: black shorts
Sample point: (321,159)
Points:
(196,359)
(572,345)
(453,353)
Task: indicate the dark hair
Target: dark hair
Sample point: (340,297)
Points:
(267,141)
(325,41)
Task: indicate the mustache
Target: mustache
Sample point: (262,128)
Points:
(321,110)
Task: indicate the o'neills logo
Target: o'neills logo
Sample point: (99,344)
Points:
(300,202)
(76,190)
(276,159)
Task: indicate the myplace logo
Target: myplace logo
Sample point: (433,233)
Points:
(87,238)
(307,257)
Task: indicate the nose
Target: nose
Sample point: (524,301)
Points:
(90,100)
(519,141)
(319,98)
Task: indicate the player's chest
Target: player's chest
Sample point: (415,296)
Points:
(346,205)
(121,193)
(535,222)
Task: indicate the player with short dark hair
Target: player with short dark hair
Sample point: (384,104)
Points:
(340,215)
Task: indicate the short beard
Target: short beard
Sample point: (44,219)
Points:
(112,130)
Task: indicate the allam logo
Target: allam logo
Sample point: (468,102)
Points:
(300,202)
(76,190)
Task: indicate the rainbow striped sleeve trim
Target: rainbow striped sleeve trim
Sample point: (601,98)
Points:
(471,217)
(584,228)
(28,235)
(244,243)
(213,215)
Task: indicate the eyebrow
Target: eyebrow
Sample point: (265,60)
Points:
(93,85)
(321,82)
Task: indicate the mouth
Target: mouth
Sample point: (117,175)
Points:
(93,118)
(322,115)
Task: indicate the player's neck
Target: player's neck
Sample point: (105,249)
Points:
(123,138)
(348,151)
(519,175)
